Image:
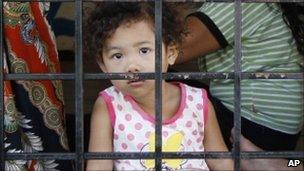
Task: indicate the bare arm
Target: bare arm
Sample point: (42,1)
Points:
(100,136)
(263,164)
(198,41)
(213,141)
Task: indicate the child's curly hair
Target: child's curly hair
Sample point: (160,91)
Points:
(103,21)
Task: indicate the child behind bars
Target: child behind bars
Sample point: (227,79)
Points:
(122,37)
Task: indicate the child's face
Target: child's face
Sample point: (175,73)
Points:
(132,49)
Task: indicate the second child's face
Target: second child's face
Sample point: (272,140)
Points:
(131,49)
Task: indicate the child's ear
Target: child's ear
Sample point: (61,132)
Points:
(172,53)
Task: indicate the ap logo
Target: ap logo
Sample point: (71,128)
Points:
(293,163)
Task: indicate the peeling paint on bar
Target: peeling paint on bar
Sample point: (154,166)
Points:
(283,75)
(263,75)
(169,76)
(272,75)
(150,155)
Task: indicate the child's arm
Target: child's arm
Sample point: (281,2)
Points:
(213,141)
(100,136)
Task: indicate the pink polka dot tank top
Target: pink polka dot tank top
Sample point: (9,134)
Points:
(133,129)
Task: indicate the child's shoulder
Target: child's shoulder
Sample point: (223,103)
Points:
(110,91)
(107,90)
(194,94)
(191,88)
(111,94)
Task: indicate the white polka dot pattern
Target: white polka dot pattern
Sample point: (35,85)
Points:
(133,131)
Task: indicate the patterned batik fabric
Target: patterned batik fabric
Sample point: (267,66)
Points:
(133,129)
(34,115)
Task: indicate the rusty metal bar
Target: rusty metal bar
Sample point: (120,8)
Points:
(79,143)
(168,76)
(2,159)
(150,155)
(158,84)
(237,84)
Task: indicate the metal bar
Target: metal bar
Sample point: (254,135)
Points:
(265,75)
(2,160)
(166,0)
(270,1)
(151,155)
(167,76)
(120,155)
(119,76)
(41,0)
(120,1)
(245,155)
(237,84)
(273,154)
(79,89)
(42,76)
(158,84)
(227,1)
(44,156)
(230,75)
(146,155)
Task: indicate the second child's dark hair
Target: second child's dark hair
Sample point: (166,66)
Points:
(108,16)
(293,14)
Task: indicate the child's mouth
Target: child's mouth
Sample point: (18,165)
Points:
(136,82)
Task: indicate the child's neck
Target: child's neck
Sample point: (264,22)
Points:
(170,101)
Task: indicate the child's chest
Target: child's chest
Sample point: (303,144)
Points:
(181,135)
(135,132)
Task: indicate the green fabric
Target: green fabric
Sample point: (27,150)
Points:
(267,46)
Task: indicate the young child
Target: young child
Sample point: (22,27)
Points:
(122,34)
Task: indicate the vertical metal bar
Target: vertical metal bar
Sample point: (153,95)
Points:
(237,82)
(2,161)
(79,88)
(158,84)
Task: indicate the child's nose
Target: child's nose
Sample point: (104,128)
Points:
(133,68)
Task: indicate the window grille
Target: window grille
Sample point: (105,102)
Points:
(80,156)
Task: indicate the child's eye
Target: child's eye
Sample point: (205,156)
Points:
(117,56)
(144,50)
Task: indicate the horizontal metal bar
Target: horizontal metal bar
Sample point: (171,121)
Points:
(166,0)
(196,155)
(173,155)
(118,0)
(197,75)
(227,1)
(149,155)
(42,76)
(270,1)
(45,156)
(39,1)
(219,75)
(71,76)
(168,76)
(269,75)
(118,155)
(273,154)
(199,0)
(119,76)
